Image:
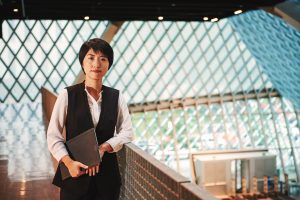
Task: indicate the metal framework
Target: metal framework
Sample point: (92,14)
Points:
(191,86)
(186,102)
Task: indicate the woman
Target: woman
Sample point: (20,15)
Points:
(84,106)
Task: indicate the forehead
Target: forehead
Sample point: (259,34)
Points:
(96,53)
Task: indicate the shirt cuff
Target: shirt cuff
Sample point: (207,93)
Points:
(114,143)
(60,154)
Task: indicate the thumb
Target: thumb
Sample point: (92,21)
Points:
(83,166)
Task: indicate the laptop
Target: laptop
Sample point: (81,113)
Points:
(82,148)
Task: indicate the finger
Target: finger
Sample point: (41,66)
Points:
(94,171)
(81,173)
(90,172)
(101,154)
(78,173)
(86,171)
(83,166)
(97,169)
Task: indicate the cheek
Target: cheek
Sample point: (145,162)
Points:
(84,68)
(106,66)
(105,70)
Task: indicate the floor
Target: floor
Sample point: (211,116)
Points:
(26,169)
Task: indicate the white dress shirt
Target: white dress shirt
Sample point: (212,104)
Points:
(123,132)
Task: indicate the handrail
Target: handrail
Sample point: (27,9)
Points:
(144,177)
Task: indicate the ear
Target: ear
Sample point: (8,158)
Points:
(82,69)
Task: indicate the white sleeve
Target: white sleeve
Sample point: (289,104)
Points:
(55,139)
(124,131)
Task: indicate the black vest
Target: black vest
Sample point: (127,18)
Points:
(78,120)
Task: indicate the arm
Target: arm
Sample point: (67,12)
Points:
(55,139)
(124,130)
(123,133)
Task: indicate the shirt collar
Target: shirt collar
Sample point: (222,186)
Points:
(100,94)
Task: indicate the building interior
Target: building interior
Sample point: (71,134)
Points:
(213,90)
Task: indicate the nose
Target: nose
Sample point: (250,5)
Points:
(97,63)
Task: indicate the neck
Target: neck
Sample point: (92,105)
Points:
(94,84)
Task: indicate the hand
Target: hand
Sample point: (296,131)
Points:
(74,167)
(92,171)
(105,147)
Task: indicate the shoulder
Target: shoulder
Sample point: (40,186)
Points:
(122,99)
(110,89)
(111,92)
(63,94)
(74,87)
(117,94)
(62,98)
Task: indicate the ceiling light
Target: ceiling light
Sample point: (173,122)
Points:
(160,18)
(86,17)
(214,19)
(238,12)
(205,18)
(16,10)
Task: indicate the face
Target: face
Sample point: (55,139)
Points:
(95,65)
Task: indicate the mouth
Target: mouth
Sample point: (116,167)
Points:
(96,71)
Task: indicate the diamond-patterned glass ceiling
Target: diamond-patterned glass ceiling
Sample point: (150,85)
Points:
(234,104)
(165,61)
(41,53)
(169,60)
(161,68)
(273,44)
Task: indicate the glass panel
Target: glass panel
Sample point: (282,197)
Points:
(42,52)
(169,61)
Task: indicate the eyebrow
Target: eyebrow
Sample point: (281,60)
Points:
(94,55)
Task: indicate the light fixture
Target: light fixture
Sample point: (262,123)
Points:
(214,19)
(238,12)
(205,18)
(160,18)
(86,17)
(16,10)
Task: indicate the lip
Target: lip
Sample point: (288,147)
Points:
(96,71)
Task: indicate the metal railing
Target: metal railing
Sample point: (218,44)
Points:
(144,177)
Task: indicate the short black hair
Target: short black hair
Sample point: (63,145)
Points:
(96,44)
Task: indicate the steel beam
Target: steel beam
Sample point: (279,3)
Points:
(192,101)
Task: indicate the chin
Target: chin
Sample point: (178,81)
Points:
(94,78)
